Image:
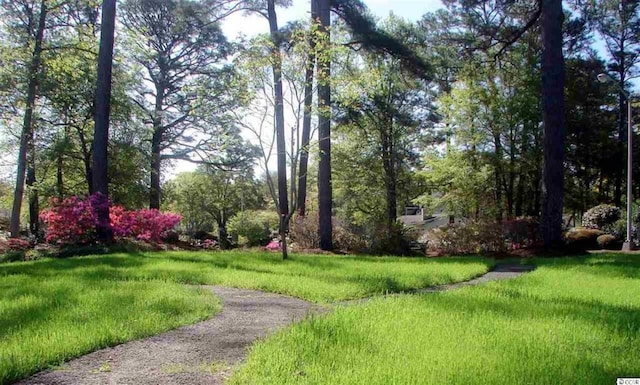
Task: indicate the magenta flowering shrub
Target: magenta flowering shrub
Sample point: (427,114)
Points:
(149,225)
(274,245)
(73,221)
(69,221)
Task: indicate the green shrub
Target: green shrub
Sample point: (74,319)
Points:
(202,235)
(608,242)
(618,229)
(304,231)
(304,234)
(346,240)
(600,216)
(467,238)
(581,238)
(521,232)
(397,241)
(257,226)
(171,237)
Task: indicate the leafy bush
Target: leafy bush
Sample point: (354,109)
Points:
(202,235)
(521,232)
(344,239)
(14,249)
(72,221)
(607,241)
(304,233)
(600,216)
(18,244)
(396,241)
(468,238)
(618,229)
(581,238)
(171,237)
(256,226)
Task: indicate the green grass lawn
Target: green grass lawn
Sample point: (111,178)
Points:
(572,321)
(55,309)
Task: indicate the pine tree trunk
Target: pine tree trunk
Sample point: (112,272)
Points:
(388,166)
(498,174)
(25,136)
(100,180)
(553,120)
(283,204)
(325,194)
(306,120)
(154,192)
(32,188)
(59,176)
(156,150)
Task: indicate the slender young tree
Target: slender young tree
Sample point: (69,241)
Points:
(27,126)
(306,121)
(283,202)
(102,104)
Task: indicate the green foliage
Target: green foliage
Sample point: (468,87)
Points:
(395,241)
(561,324)
(304,234)
(461,186)
(207,198)
(257,227)
(473,237)
(601,216)
(383,119)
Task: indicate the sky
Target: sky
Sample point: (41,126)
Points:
(409,9)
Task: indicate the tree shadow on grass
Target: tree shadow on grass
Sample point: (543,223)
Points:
(55,267)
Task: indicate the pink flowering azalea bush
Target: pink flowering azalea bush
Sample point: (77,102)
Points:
(69,221)
(149,225)
(274,245)
(14,244)
(72,221)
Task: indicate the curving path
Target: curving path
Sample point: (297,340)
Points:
(203,353)
(206,352)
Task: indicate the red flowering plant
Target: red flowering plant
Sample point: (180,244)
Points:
(69,221)
(73,221)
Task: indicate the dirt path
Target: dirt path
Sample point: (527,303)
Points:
(206,352)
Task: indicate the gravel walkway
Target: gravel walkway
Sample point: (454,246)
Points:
(206,352)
